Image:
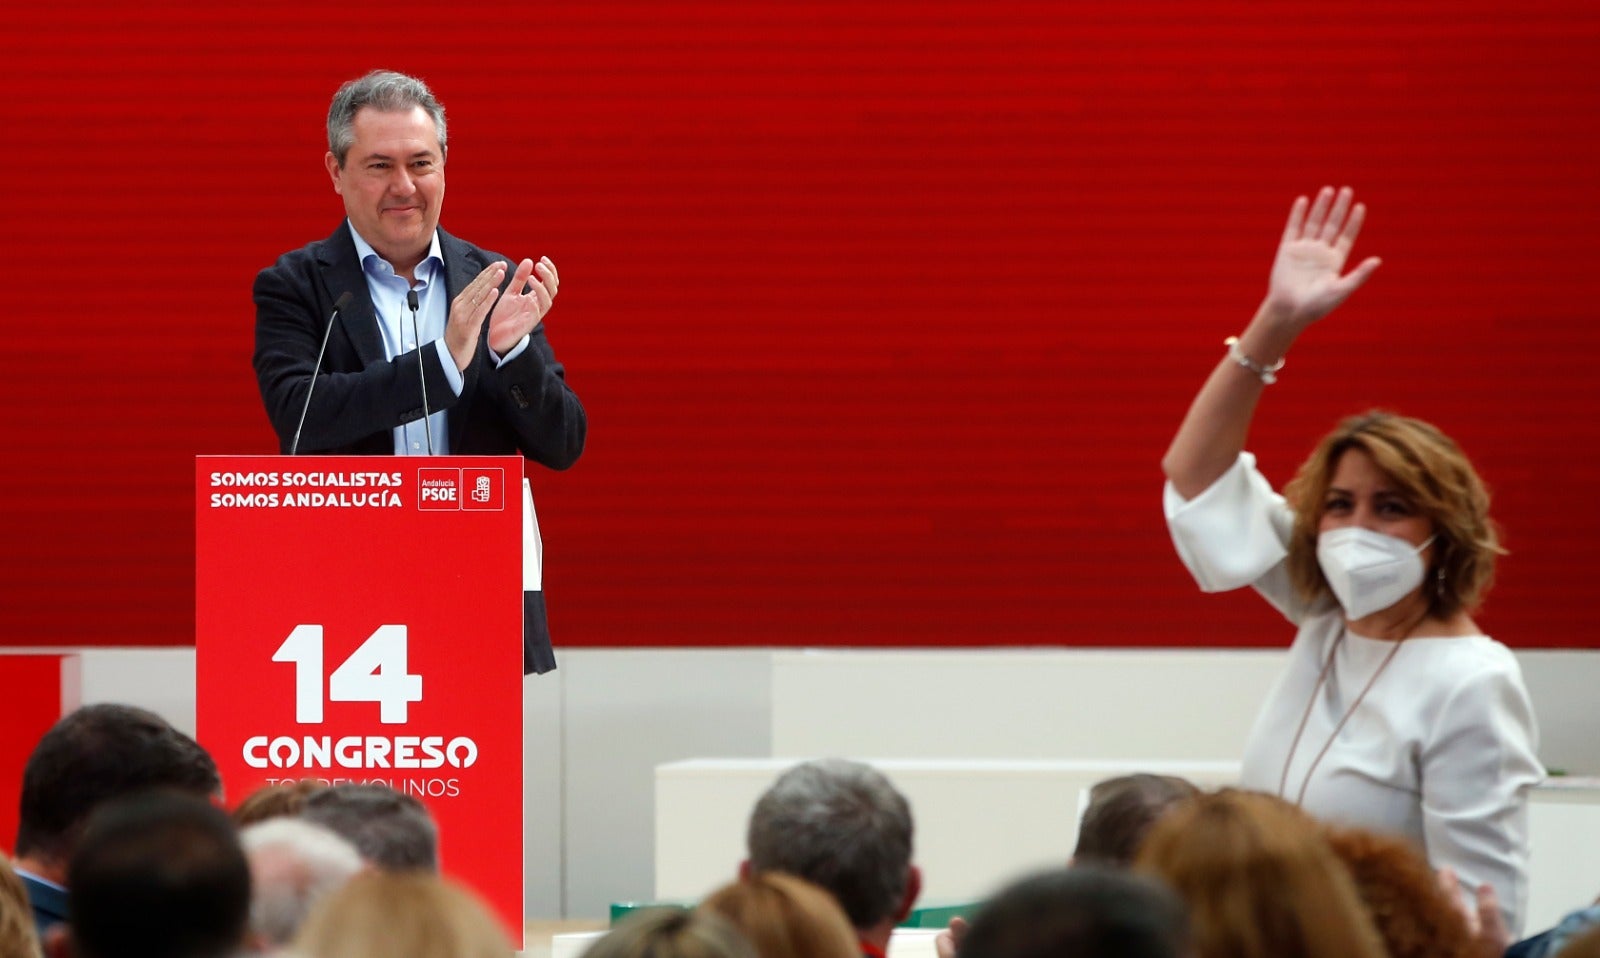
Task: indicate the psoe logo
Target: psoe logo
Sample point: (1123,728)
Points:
(438,489)
(483,489)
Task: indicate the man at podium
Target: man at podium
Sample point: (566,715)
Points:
(393,337)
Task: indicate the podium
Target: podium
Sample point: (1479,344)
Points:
(359,619)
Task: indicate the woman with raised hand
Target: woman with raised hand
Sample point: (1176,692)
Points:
(1395,711)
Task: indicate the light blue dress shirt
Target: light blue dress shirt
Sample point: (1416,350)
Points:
(388,291)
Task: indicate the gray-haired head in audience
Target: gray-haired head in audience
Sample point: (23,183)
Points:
(841,825)
(294,865)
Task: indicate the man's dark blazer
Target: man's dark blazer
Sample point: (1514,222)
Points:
(522,407)
(49,903)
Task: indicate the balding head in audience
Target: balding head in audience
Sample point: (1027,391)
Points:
(842,826)
(392,831)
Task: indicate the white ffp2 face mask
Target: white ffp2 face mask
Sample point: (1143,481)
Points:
(1367,570)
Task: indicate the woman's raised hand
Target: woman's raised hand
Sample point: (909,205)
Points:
(1306,281)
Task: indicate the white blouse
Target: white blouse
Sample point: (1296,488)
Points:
(1440,750)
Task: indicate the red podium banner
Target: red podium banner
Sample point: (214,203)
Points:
(359,619)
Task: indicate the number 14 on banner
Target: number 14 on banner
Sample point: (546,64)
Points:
(375,672)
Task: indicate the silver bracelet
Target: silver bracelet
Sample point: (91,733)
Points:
(1267,374)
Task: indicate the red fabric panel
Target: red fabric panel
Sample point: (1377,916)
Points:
(883,312)
(32,685)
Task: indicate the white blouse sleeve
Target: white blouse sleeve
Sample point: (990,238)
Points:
(1236,533)
(1477,765)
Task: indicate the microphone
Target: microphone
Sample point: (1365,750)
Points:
(339,306)
(422,378)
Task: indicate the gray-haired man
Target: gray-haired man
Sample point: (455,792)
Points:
(427,320)
(840,825)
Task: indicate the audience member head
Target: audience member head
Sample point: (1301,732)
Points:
(402,915)
(18,938)
(672,933)
(786,917)
(391,830)
(294,865)
(1412,914)
(275,801)
(96,754)
(1259,880)
(1121,810)
(1087,911)
(158,875)
(840,825)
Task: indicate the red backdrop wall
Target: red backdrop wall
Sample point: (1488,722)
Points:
(882,312)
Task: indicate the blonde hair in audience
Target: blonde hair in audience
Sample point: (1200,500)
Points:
(18,939)
(402,915)
(1259,880)
(275,801)
(672,933)
(786,917)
